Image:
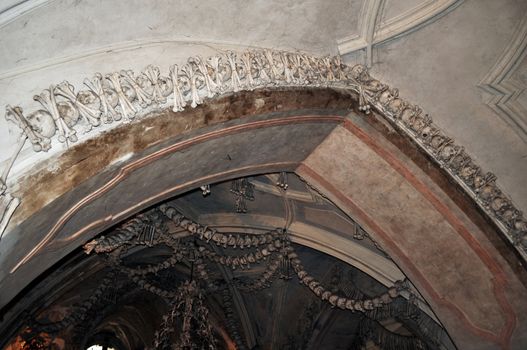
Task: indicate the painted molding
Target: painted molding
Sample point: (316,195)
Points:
(504,88)
(369,34)
(371,262)
(123,46)
(124,96)
(364,39)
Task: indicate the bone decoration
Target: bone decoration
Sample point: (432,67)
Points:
(124,97)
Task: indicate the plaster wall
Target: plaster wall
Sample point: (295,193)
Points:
(440,67)
(437,64)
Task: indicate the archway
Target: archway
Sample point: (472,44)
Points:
(362,164)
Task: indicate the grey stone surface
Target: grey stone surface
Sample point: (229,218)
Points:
(439,68)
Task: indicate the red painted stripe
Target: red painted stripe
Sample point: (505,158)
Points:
(358,213)
(139,163)
(500,280)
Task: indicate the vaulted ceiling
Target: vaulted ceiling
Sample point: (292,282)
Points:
(121,290)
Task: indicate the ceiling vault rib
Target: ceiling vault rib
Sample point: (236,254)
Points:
(372,31)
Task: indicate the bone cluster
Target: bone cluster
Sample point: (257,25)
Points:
(285,250)
(336,300)
(240,241)
(120,236)
(232,320)
(480,185)
(272,248)
(124,95)
(242,261)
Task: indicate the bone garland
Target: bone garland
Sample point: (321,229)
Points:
(81,309)
(206,234)
(480,186)
(336,300)
(153,269)
(230,72)
(64,121)
(133,228)
(89,114)
(265,280)
(144,284)
(127,109)
(122,235)
(201,269)
(242,261)
(287,251)
(231,316)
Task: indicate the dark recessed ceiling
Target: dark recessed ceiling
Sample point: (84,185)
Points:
(153,282)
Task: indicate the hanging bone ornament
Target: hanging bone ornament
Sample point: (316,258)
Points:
(38,141)
(48,100)
(127,109)
(91,116)
(205,190)
(282,181)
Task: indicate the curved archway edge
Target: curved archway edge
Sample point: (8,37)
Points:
(347,160)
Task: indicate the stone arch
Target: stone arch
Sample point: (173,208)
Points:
(368,166)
